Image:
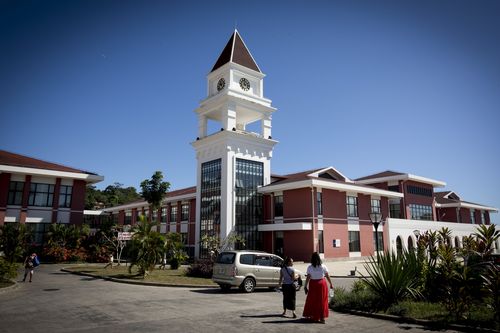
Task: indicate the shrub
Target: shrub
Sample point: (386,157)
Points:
(393,278)
(362,300)
(201,268)
(7,270)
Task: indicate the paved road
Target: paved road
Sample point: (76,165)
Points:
(62,302)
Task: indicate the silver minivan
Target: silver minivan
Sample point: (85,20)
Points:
(246,270)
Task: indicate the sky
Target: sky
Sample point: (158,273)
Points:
(363,86)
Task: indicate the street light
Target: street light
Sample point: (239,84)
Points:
(376,219)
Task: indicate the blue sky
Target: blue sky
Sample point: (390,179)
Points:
(364,86)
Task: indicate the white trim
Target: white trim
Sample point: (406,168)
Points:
(285,226)
(44,172)
(406,176)
(93,212)
(146,204)
(467,205)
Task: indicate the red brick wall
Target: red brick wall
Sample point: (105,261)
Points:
(4,194)
(297,203)
(447,214)
(292,249)
(77,201)
(335,223)
(192,222)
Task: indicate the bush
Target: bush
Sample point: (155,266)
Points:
(201,268)
(7,270)
(362,300)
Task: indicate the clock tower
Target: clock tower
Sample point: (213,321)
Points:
(235,158)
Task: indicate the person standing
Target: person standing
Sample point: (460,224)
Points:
(287,276)
(316,307)
(29,265)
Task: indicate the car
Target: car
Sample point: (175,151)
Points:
(247,270)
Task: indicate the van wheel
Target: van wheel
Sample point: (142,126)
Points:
(248,285)
(225,287)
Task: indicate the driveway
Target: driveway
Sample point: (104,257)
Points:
(62,302)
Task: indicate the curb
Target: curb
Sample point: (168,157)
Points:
(9,288)
(142,283)
(422,322)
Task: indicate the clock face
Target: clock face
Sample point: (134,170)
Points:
(221,84)
(244,84)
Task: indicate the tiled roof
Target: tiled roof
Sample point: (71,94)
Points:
(182,191)
(236,51)
(293,177)
(8,158)
(387,173)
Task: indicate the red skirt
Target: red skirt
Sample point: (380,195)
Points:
(316,307)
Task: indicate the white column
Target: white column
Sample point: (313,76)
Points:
(266,126)
(227,186)
(202,126)
(229,121)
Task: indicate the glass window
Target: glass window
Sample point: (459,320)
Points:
(164,215)
(352,206)
(483,217)
(246,259)
(426,192)
(128,217)
(380,240)
(278,205)
(248,202)
(375,205)
(354,245)
(154,215)
(185,212)
(41,195)
(65,196)
(319,202)
(321,243)
(472,216)
(395,210)
(225,258)
(173,214)
(210,197)
(15,193)
(421,212)
(262,260)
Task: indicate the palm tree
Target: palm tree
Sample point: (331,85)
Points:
(486,237)
(149,245)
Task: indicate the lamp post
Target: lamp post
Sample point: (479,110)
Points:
(376,218)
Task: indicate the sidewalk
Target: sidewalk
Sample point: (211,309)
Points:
(339,268)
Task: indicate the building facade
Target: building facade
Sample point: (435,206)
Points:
(317,210)
(39,193)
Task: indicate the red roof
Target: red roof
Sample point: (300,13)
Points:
(383,174)
(8,158)
(182,191)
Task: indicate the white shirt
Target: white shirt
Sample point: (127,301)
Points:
(318,272)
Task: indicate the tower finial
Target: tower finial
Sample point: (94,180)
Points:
(235,25)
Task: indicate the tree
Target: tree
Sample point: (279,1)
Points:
(14,241)
(174,249)
(148,247)
(112,195)
(154,189)
(215,245)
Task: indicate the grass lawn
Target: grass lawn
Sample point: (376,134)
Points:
(167,276)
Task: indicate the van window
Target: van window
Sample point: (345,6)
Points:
(225,258)
(246,259)
(277,261)
(261,260)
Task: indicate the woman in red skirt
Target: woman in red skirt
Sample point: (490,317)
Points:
(316,307)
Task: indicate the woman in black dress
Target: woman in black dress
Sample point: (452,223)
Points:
(287,276)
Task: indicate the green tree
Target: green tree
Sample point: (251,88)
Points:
(112,195)
(148,247)
(154,189)
(14,241)
(64,242)
(174,249)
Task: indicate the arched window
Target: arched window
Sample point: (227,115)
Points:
(399,245)
(410,244)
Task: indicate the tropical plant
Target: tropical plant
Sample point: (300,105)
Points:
(215,245)
(14,241)
(148,247)
(491,279)
(393,278)
(65,242)
(174,249)
(486,238)
(8,270)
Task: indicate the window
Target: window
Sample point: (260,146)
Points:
(41,195)
(128,217)
(154,215)
(393,188)
(380,240)
(352,206)
(248,202)
(210,198)
(173,214)
(319,201)
(420,212)
(395,210)
(483,217)
(354,245)
(246,259)
(65,196)
(376,206)
(164,215)
(426,192)
(262,260)
(472,216)
(185,212)
(15,193)
(278,205)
